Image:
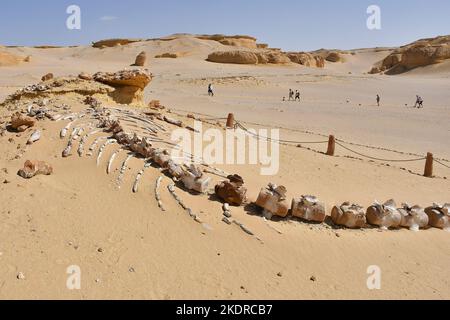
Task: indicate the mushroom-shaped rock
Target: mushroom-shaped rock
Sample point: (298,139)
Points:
(232,190)
(308,208)
(349,215)
(273,200)
(439,216)
(129,84)
(413,218)
(384,215)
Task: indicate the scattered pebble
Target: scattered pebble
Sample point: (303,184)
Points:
(131,270)
(313,278)
(20,276)
(338,234)
(6,181)
(280,274)
(100,250)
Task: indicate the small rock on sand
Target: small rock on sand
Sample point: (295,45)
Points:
(20,276)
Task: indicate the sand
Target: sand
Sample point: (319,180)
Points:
(49,223)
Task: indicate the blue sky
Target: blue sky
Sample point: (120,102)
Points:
(287,24)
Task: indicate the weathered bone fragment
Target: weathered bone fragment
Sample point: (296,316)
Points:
(384,215)
(35,136)
(174,122)
(308,208)
(21,123)
(273,200)
(349,215)
(94,145)
(111,160)
(67,151)
(157,195)
(139,176)
(194,179)
(65,130)
(413,218)
(161,157)
(232,191)
(102,148)
(33,168)
(123,168)
(439,216)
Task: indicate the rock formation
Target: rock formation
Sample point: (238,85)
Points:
(85,76)
(47,77)
(114,42)
(141,59)
(308,208)
(306,59)
(334,56)
(236,57)
(417,54)
(273,200)
(235,41)
(248,57)
(9,59)
(349,215)
(129,84)
(384,215)
(33,168)
(232,191)
(167,55)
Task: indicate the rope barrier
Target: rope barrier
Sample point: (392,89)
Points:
(442,163)
(379,159)
(277,140)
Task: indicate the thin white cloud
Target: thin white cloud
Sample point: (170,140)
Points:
(108,18)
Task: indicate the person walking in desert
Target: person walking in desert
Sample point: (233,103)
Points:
(210,90)
(378,99)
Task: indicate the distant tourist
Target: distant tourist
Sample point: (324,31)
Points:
(291,94)
(378,99)
(419,102)
(210,90)
(297,95)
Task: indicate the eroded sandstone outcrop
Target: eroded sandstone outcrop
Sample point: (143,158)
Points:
(129,84)
(114,42)
(307,59)
(417,54)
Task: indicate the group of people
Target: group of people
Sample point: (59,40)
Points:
(293,96)
(418,104)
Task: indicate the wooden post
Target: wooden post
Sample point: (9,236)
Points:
(429,166)
(230,121)
(331,146)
